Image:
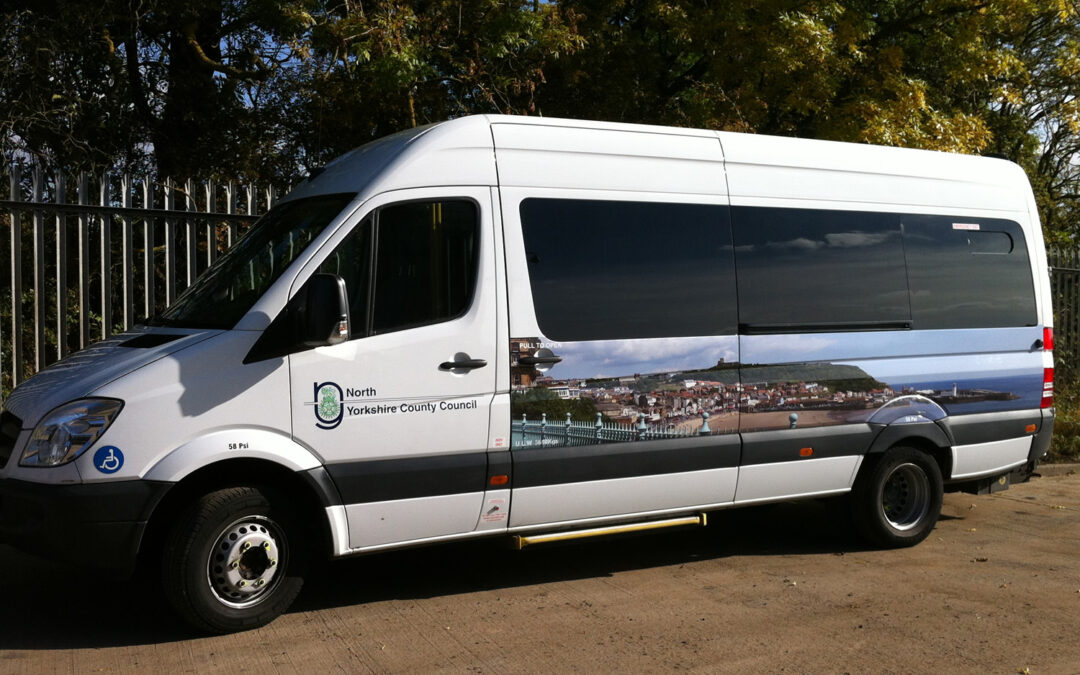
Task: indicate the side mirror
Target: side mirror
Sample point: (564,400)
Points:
(320,311)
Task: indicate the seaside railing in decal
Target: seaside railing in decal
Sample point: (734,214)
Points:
(544,432)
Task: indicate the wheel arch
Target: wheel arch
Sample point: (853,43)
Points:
(310,492)
(928,437)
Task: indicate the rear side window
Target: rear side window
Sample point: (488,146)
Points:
(968,273)
(604,270)
(815,270)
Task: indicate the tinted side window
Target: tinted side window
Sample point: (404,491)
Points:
(968,273)
(409,265)
(819,270)
(426,259)
(604,270)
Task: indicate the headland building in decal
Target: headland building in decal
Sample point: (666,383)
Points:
(624,390)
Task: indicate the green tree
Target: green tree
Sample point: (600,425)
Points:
(176,86)
(389,65)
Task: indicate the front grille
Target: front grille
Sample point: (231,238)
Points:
(9,433)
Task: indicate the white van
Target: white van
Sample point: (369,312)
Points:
(548,329)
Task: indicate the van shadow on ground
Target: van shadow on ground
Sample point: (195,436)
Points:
(49,606)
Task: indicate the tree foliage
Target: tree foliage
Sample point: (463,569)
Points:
(269,90)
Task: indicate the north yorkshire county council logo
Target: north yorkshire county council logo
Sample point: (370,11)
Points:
(328,408)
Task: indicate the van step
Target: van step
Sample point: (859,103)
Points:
(521,541)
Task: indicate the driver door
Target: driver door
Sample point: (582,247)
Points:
(399,413)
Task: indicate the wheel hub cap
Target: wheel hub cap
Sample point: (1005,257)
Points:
(244,562)
(906,497)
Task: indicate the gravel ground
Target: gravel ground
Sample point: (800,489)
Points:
(781,588)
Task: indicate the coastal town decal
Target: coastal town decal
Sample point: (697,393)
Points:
(651,389)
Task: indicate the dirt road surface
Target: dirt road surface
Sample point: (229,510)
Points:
(775,589)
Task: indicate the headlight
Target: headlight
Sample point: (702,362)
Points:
(66,432)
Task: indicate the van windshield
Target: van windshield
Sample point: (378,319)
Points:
(228,289)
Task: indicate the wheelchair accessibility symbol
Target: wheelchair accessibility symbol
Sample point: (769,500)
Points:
(108,459)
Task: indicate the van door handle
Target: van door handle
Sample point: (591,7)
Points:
(539,360)
(464,364)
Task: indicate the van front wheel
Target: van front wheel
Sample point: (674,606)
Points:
(897,499)
(231,561)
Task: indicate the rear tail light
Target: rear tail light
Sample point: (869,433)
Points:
(1048,388)
(1048,373)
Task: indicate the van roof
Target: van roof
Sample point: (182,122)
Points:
(547,152)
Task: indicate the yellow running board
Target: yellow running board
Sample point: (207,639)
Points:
(521,542)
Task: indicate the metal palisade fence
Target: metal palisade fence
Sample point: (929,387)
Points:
(84,256)
(1065,287)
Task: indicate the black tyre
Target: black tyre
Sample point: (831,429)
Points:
(232,561)
(897,498)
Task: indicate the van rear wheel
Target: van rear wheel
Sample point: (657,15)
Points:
(232,561)
(897,499)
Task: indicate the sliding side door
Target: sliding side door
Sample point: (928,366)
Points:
(624,356)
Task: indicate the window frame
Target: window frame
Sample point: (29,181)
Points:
(372,219)
(917,317)
(728,316)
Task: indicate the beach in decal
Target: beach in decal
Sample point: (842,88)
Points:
(649,389)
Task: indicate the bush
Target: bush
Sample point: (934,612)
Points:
(1065,445)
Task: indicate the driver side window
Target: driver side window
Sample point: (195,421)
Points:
(408,265)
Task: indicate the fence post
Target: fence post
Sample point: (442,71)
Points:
(60,197)
(127,265)
(17,355)
(211,224)
(170,244)
(230,209)
(38,217)
(190,236)
(84,261)
(149,278)
(106,259)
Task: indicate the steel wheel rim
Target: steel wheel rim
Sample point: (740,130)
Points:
(246,562)
(905,497)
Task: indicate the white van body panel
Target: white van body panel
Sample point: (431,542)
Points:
(94,367)
(784,480)
(773,167)
(638,161)
(621,497)
(186,408)
(377,524)
(989,459)
(229,444)
(459,152)
(1040,268)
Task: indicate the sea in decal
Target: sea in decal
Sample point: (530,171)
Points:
(651,389)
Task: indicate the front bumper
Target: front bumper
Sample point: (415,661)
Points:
(94,525)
